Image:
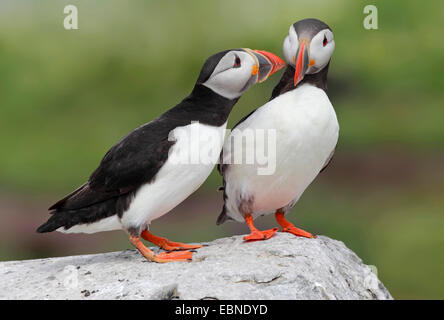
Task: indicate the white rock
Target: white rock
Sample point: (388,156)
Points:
(284,267)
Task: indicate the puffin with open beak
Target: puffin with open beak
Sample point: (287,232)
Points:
(306,127)
(150,171)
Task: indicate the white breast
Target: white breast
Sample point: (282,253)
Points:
(306,133)
(189,164)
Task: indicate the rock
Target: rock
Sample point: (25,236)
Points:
(284,267)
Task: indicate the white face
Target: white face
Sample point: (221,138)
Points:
(291,45)
(320,49)
(233,74)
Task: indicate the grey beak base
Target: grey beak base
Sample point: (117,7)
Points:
(265,67)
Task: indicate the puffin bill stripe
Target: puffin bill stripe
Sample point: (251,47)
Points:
(268,64)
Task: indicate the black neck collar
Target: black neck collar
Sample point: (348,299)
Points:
(203,105)
(286,83)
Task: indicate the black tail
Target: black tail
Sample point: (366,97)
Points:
(56,221)
(223,216)
(68,218)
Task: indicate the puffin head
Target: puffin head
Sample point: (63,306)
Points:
(308,47)
(232,72)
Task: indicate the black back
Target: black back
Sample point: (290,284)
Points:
(138,157)
(286,83)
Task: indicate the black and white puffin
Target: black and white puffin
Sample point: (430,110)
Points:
(306,130)
(150,171)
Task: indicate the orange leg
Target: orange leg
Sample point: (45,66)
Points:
(289,227)
(256,234)
(167,244)
(163,257)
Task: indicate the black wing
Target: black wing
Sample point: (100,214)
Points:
(133,161)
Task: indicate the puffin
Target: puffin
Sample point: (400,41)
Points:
(154,168)
(306,130)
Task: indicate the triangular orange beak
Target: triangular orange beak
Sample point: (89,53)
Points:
(269,63)
(301,62)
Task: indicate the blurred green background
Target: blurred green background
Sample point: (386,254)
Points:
(67,96)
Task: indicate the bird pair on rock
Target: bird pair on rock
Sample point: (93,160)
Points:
(137,180)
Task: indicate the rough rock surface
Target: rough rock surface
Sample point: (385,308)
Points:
(284,267)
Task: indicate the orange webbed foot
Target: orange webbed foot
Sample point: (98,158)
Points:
(257,235)
(290,228)
(172,246)
(173,256)
(162,257)
(298,232)
(166,244)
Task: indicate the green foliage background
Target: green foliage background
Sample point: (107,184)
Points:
(67,96)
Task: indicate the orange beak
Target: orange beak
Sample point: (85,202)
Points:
(269,63)
(301,63)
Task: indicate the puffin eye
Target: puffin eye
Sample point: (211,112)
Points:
(324,43)
(237,62)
